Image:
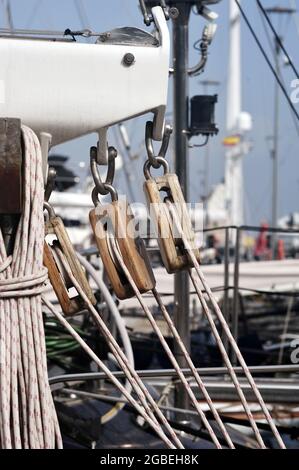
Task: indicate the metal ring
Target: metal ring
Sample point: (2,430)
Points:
(112,154)
(49,209)
(148,165)
(110,190)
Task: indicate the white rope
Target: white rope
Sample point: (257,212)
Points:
(27,414)
(167,349)
(193,369)
(147,401)
(230,337)
(154,425)
(121,329)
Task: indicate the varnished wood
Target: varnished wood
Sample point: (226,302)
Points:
(133,251)
(174,255)
(69,306)
(56,227)
(117,279)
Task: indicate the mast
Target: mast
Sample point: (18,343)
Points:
(181,89)
(237,124)
(277,10)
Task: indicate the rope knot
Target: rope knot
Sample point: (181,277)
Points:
(25,286)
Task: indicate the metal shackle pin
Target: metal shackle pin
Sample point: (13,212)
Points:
(153,159)
(106,187)
(50,183)
(50,209)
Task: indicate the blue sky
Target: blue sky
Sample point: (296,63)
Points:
(258,89)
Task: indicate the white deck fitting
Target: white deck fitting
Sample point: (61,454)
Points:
(70,89)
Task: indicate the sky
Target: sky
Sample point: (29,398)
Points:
(257,95)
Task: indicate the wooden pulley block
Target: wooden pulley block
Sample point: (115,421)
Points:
(116,219)
(58,277)
(173,252)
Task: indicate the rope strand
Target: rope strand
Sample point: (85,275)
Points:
(230,337)
(137,384)
(28,416)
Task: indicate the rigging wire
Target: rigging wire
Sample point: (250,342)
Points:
(36,7)
(8,14)
(296,124)
(260,46)
(277,37)
(81,10)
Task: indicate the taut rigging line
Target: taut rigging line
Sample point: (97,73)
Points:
(267,60)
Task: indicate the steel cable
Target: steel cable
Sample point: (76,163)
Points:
(260,46)
(277,37)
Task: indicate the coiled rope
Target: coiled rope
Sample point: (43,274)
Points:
(28,417)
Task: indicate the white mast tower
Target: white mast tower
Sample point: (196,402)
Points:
(238,123)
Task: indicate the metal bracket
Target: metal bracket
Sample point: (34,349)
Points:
(10,166)
(148,19)
(45,142)
(102,157)
(10,179)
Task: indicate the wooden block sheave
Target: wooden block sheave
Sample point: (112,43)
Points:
(174,255)
(57,275)
(116,219)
